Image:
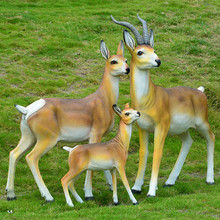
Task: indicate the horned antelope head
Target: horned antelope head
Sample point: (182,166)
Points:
(116,64)
(143,55)
(128,115)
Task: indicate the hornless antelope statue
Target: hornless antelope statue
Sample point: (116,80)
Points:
(47,121)
(163,110)
(111,155)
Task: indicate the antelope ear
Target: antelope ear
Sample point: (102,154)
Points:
(104,50)
(129,41)
(151,38)
(117,110)
(120,50)
(127,106)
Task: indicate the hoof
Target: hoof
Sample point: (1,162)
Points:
(49,201)
(136,191)
(136,203)
(89,198)
(116,203)
(168,185)
(70,204)
(210,183)
(11,198)
(150,196)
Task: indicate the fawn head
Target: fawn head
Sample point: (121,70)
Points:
(128,115)
(116,64)
(143,55)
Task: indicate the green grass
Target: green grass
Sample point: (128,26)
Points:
(51,49)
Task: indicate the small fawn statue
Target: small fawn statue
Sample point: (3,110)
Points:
(111,155)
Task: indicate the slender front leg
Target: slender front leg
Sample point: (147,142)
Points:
(143,154)
(114,182)
(159,139)
(121,171)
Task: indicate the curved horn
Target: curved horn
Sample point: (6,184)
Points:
(132,28)
(146,37)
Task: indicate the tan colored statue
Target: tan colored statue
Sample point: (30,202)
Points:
(163,110)
(111,155)
(49,120)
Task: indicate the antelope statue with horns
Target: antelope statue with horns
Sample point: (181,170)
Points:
(111,155)
(164,111)
(49,120)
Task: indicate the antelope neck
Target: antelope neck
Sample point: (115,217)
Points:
(124,135)
(109,88)
(141,87)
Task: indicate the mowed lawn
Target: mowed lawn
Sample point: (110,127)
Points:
(51,49)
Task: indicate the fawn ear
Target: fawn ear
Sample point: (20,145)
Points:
(151,38)
(117,110)
(129,41)
(104,50)
(127,106)
(120,50)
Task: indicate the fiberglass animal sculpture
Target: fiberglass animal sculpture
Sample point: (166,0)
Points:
(49,120)
(164,111)
(111,155)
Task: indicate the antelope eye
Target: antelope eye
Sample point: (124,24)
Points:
(140,53)
(114,62)
(127,113)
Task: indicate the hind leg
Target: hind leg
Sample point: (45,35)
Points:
(206,131)
(186,144)
(65,182)
(26,142)
(68,181)
(73,191)
(42,147)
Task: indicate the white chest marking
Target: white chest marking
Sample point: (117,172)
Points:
(141,83)
(74,134)
(146,123)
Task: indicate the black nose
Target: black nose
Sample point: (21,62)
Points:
(139,114)
(127,70)
(158,62)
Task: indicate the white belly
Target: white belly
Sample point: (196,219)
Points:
(72,134)
(180,123)
(100,165)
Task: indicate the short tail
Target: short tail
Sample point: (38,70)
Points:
(21,109)
(201,88)
(67,148)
